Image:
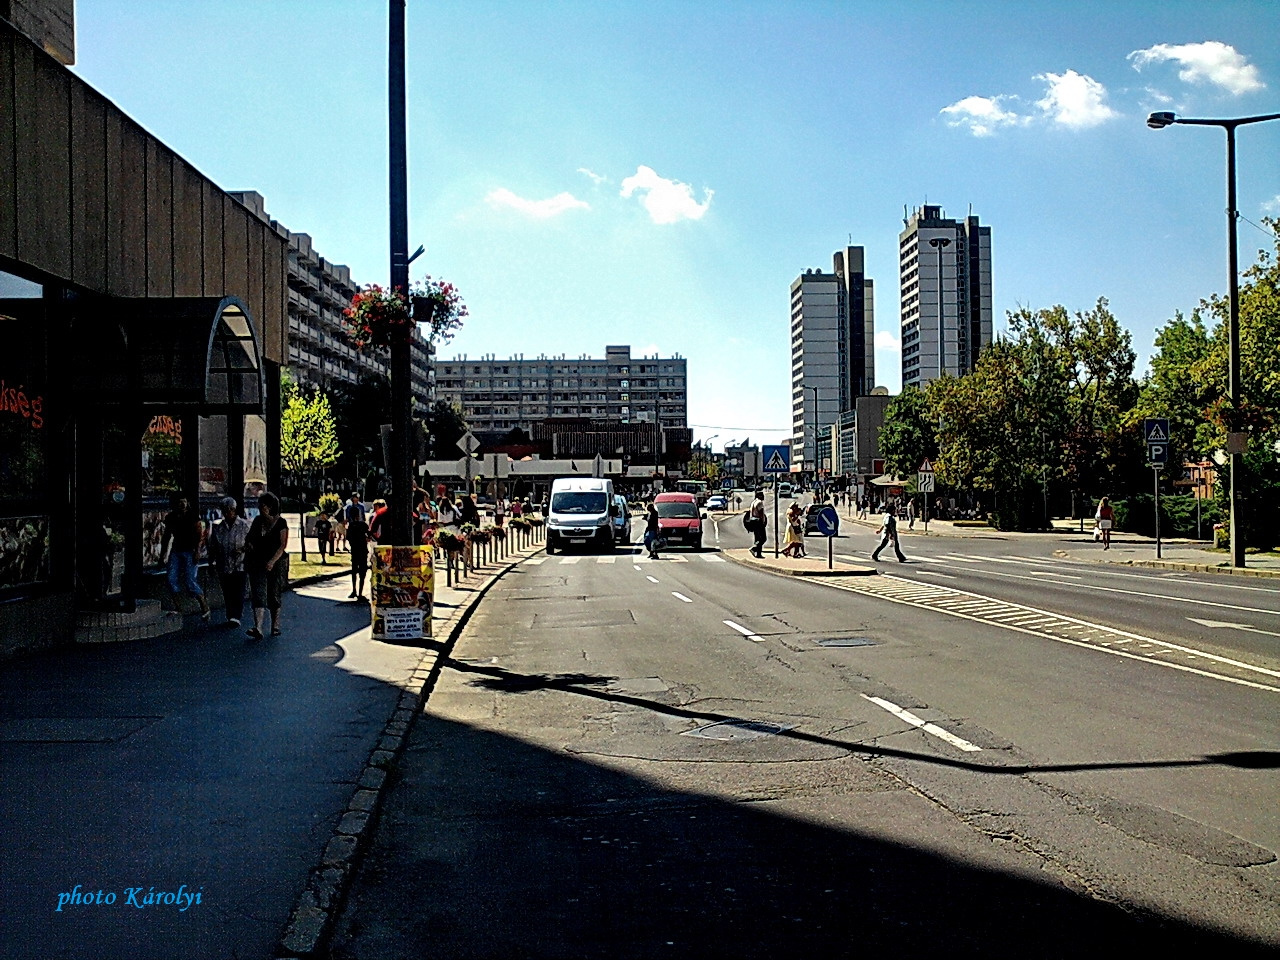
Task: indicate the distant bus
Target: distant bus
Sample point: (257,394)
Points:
(697,487)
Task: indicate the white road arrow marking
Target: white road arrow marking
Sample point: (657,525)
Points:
(1218,624)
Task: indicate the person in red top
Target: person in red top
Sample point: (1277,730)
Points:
(1104,517)
(378,522)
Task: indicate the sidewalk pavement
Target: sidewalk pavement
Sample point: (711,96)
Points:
(198,794)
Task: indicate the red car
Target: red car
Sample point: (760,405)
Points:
(679,520)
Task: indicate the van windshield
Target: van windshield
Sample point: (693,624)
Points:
(677,509)
(573,501)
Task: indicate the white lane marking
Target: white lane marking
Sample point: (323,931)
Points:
(712,558)
(935,573)
(652,579)
(927,727)
(606,559)
(636,565)
(952,556)
(681,596)
(536,560)
(570,559)
(742,630)
(1217,624)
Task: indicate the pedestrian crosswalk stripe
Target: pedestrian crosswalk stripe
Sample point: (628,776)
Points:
(606,559)
(570,559)
(536,560)
(712,558)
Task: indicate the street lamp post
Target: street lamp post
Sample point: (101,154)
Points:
(938,243)
(1235,440)
(706,450)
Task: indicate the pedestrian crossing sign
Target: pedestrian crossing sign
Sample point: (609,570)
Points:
(777,459)
(1156,430)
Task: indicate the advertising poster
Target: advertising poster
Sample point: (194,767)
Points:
(24,551)
(403,587)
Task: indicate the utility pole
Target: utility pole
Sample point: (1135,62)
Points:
(400,503)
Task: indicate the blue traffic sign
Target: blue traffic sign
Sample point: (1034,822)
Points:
(1157,453)
(1156,429)
(776,459)
(828,522)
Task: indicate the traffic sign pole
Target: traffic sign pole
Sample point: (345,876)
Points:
(1155,472)
(775,516)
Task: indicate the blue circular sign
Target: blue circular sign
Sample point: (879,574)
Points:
(828,522)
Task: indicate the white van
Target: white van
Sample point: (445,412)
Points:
(581,513)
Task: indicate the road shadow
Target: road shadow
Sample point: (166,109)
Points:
(490,846)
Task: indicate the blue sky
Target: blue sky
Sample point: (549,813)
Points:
(657,173)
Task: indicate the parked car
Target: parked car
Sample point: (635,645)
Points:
(679,520)
(811,519)
(622,520)
(717,502)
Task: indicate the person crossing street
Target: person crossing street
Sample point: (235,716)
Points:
(889,534)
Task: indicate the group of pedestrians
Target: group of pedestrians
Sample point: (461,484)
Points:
(242,553)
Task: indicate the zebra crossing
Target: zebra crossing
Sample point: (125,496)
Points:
(626,557)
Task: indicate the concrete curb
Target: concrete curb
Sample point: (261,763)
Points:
(314,913)
(769,567)
(1184,565)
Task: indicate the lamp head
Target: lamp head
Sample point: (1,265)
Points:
(940,242)
(1158,121)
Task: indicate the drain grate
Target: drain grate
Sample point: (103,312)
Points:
(845,642)
(738,730)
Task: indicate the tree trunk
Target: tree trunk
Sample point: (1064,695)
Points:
(302,532)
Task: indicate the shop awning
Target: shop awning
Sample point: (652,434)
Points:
(200,352)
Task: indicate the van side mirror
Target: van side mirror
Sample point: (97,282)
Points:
(614,511)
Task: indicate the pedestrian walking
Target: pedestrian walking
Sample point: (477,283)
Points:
(863,507)
(469,512)
(759,525)
(227,542)
(651,532)
(1103,519)
(182,538)
(378,521)
(267,563)
(447,514)
(355,508)
(517,508)
(889,534)
(324,535)
(499,511)
(339,532)
(358,538)
(911,514)
(794,546)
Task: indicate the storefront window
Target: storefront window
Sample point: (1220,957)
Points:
(24,435)
(161,479)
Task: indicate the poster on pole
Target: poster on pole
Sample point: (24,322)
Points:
(402,593)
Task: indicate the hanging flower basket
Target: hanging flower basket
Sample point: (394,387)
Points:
(378,317)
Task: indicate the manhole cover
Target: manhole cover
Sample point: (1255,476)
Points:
(845,642)
(737,730)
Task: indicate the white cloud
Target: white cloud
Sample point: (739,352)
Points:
(538,209)
(668,201)
(887,341)
(982,115)
(1209,62)
(1272,205)
(596,178)
(1074,100)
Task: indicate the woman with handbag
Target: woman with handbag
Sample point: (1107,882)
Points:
(267,563)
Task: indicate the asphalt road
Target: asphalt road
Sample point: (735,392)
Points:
(981,751)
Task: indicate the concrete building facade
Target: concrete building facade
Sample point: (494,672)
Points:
(501,395)
(832,349)
(320,353)
(945,289)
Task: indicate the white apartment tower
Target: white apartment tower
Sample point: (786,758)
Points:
(832,351)
(945,283)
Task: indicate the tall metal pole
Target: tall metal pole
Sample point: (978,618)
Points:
(1233,349)
(1236,439)
(938,243)
(400,504)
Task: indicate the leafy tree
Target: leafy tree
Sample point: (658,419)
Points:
(445,427)
(909,433)
(1172,388)
(308,440)
(360,409)
(1258,409)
